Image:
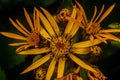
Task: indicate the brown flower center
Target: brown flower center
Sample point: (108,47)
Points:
(60,46)
(93,29)
(33,39)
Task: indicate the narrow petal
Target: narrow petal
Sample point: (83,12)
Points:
(22,27)
(35,51)
(81,63)
(75,27)
(36,20)
(51,69)
(52,21)
(18,27)
(61,66)
(110,30)
(92,38)
(70,23)
(37,63)
(86,43)
(110,36)
(91,21)
(28,19)
(80,50)
(22,47)
(44,33)
(12,35)
(46,24)
(17,44)
(82,10)
(100,38)
(99,14)
(106,13)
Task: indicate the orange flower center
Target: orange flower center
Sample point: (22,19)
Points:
(93,29)
(33,39)
(60,46)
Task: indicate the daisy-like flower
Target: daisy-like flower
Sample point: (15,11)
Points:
(59,46)
(30,38)
(93,27)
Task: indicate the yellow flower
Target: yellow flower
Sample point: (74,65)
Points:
(30,38)
(59,45)
(93,28)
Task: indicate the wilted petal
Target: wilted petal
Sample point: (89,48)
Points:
(35,51)
(51,69)
(106,13)
(81,63)
(37,63)
(110,36)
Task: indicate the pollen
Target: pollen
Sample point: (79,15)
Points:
(60,46)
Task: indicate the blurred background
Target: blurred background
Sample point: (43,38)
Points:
(11,64)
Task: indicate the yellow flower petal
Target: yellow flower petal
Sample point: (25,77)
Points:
(51,69)
(37,63)
(46,24)
(100,38)
(22,47)
(99,14)
(91,21)
(106,13)
(86,43)
(82,10)
(12,35)
(110,30)
(36,20)
(110,36)
(81,63)
(17,44)
(22,27)
(52,21)
(35,51)
(44,33)
(18,27)
(28,19)
(80,50)
(61,65)
(70,23)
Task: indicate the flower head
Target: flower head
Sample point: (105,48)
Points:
(93,27)
(30,38)
(59,48)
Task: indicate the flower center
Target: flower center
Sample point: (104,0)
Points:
(60,46)
(33,39)
(93,29)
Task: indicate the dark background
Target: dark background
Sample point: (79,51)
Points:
(12,64)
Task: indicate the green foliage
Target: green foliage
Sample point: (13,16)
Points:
(2,74)
(115,43)
(83,74)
